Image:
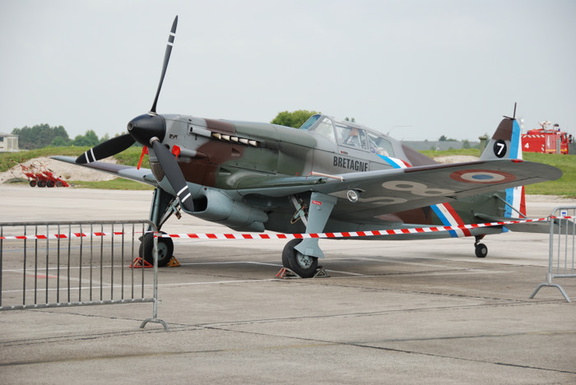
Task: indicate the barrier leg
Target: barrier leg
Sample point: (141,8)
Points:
(154,320)
(550,285)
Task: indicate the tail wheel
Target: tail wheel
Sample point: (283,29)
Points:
(303,265)
(165,249)
(481,250)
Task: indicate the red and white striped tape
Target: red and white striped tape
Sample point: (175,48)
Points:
(62,235)
(351,234)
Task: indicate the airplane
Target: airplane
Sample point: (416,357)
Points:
(326,176)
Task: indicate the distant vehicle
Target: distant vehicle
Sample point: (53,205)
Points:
(547,140)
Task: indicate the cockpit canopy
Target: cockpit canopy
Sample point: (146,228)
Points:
(349,134)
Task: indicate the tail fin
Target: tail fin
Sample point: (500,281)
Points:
(506,143)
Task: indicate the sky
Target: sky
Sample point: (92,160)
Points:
(416,69)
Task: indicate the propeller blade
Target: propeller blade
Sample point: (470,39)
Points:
(106,149)
(174,174)
(166,60)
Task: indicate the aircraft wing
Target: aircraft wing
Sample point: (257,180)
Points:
(400,189)
(381,191)
(142,175)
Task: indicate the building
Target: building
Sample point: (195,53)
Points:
(439,145)
(8,143)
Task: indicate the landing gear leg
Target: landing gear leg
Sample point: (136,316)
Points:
(481,249)
(163,206)
(301,255)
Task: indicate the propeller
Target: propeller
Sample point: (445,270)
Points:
(173,173)
(166,60)
(106,149)
(149,130)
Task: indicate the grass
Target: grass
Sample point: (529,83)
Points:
(114,184)
(565,186)
(10,159)
(128,157)
(463,151)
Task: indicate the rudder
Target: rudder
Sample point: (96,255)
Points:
(506,143)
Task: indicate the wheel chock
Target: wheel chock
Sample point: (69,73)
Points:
(321,273)
(286,273)
(139,263)
(173,262)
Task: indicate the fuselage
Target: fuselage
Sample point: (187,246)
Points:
(212,152)
(221,159)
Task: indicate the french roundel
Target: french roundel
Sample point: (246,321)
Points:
(482,176)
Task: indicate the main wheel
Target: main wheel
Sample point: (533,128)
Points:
(303,265)
(481,250)
(165,249)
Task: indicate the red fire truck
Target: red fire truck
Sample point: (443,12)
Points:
(547,140)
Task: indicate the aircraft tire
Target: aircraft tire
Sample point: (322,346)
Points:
(165,249)
(481,250)
(303,265)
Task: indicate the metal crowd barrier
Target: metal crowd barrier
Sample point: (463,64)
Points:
(562,250)
(62,264)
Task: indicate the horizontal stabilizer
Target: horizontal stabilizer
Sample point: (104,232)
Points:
(540,227)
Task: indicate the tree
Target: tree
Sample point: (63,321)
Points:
(38,136)
(59,141)
(293,119)
(90,139)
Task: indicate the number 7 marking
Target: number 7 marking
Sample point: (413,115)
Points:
(500,148)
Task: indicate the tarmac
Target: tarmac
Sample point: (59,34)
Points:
(391,312)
